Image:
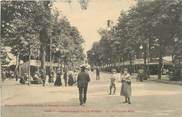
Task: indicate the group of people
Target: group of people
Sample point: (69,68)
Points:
(55,78)
(82,79)
(125,80)
(69,77)
(7,74)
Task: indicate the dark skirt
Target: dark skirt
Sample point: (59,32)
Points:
(70,80)
(50,80)
(58,81)
(125,89)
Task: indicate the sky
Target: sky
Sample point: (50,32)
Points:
(94,18)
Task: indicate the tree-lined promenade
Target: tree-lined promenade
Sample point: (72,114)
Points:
(35,30)
(151,29)
(49,57)
(148,99)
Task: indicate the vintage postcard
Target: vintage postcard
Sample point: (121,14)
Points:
(91,58)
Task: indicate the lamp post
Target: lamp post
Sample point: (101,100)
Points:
(148,58)
(141,48)
(144,57)
(93,56)
(132,58)
(109,62)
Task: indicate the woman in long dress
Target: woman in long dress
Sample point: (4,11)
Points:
(70,78)
(58,78)
(126,86)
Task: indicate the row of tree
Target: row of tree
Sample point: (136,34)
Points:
(151,27)
(35,30)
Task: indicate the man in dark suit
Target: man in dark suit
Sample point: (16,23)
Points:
(82,81)
(97,74)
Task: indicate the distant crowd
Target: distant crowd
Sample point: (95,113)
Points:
(79,77)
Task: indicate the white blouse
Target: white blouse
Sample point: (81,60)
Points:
(125,77)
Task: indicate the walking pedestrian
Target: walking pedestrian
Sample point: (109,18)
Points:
(16,74)
(51,77)
(70,78)
(36,78)
(43,76)
(58,78)
(140,75)
(126,86)
(113,82)
(75,75)
(82,83)
(3,75)
(97,74)
(24,78)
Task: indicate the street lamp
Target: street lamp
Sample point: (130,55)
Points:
(144,57)
(141,47)
(109,62)
(93,55)
(175,39)
(132,58)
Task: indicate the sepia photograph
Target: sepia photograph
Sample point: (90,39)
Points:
(91,58)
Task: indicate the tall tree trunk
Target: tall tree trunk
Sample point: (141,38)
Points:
(148,57)
(43,55)
(17,61)
(43,39)
(50,55)
(160,67)
(131,65)
(178,51)
(123,62)
(29,65)
(17,68)
(59,62)
(145,62)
